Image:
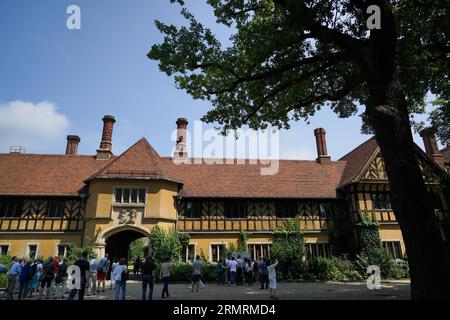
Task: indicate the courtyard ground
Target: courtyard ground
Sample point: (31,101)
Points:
(390,290)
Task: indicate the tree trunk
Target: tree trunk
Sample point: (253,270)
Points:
(428,261)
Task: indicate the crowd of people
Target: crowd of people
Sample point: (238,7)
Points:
(48,279)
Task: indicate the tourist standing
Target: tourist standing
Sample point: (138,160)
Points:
(137,265)
(233,271)
(47,278)
(37,274)
(273,280)
(255,271)
(61,279)
(148,270)
(102,271)
(92,281)
(249,272)
(239,270)
(227,267)
(83,264)
(263,273)
(197,273)
(165,273)
(219,272)
(25,276)
(12,275)
(121,278)
(112,274)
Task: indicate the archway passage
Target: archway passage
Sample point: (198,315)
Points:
(118,244)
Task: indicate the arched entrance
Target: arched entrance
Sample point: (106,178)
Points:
(115,241)
(118,244)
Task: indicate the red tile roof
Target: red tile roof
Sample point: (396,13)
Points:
(295,179)
(49,175)
(446,153)
(139,161)
(28,174)
(357,159)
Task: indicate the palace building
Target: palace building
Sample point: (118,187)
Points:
(49,201)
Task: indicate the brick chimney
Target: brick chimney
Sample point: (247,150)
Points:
(180,153)
(105,150)
(431,146)
(321,143)
(72,145)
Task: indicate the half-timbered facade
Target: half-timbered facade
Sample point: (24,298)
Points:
(50,201)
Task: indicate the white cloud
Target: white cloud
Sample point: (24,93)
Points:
(31,125)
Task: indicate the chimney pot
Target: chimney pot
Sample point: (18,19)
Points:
(431,146)
(321,144)
(72,145)
(105,149)
(180,153)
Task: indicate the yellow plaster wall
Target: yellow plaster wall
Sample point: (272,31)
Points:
(47,243)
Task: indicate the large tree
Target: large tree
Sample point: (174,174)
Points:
(288,58)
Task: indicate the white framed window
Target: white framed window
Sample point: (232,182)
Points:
(258,250)
(61,250)
(129,195)
(188,253)
(217,251)
(318,249)
(32,250)
(393,249)
(4,249)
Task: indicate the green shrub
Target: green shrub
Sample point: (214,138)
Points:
(377,257)
(3,280)
(183,272)
(165,244)
(288,248)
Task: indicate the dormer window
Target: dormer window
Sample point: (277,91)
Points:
(129,195)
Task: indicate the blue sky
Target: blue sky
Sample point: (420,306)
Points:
(68,79)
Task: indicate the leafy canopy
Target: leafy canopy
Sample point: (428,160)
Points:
(289,58)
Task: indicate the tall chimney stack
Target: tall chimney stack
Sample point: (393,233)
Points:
(180,153)
(321,143)
(431,146)
(72,145)
(105,150)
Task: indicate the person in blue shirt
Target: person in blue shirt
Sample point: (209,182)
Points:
(12,275)
(25,276)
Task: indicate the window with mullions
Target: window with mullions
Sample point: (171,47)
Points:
(10,208)
(235,209)
(193,209)
(286,209)
(381,201)
(55,209)
(217,252)
(129,195)
(188,253)
(62,250)
(32,250)
(314,250)
(4,248)
(393,249)
(259,250)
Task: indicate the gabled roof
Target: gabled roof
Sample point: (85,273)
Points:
(357,160)
(139,161)
(446,153)
(295,179)
(46,175)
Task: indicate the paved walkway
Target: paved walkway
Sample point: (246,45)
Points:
(391,290)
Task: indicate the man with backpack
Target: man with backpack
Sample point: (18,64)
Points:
(102,271)
(47,278)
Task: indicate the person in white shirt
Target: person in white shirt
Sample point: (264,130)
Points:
(120,281)
(233,271)
(93,268)
(273,279)
(113,273)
